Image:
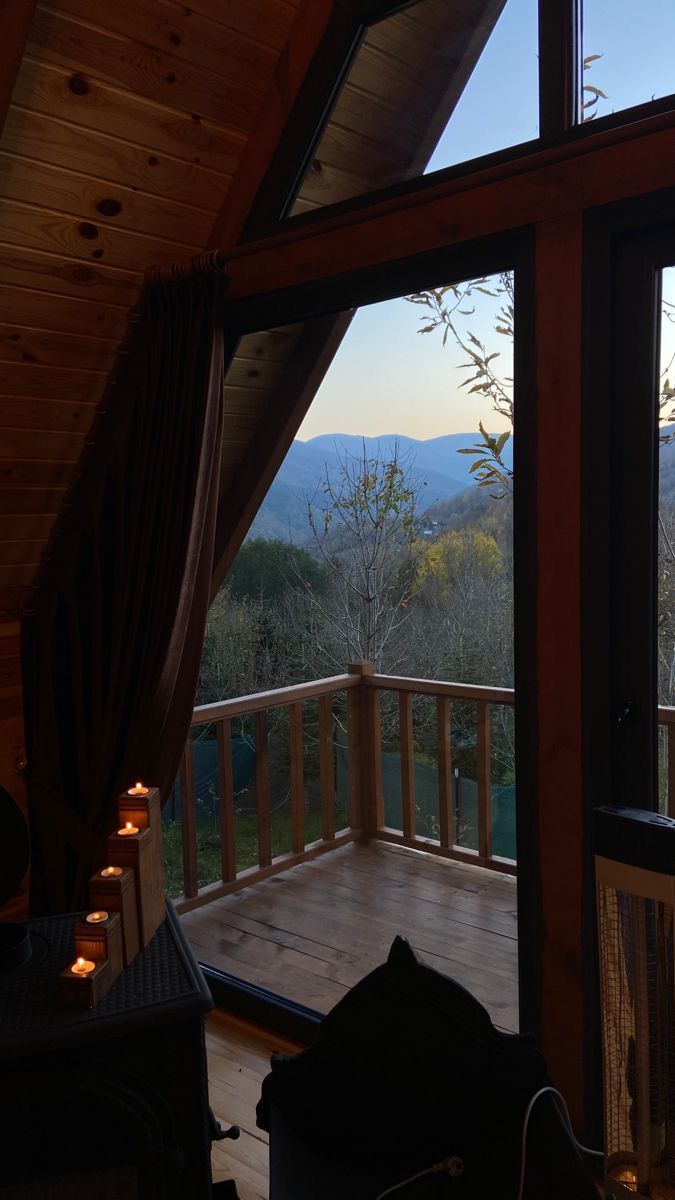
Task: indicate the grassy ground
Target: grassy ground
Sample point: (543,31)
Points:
(208,844)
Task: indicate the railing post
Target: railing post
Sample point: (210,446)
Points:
(188,823)
(365,758)
(483,779)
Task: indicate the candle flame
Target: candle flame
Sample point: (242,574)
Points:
(80,963)
(129,825)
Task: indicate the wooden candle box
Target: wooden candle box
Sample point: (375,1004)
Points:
(138,851)
(101,940)
(117,893)
(85,991)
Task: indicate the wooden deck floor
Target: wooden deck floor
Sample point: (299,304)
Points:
(313,931)
(239,1059)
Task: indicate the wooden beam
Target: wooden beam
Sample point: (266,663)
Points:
(266,141)
(328,254)
(302,375)
(15,22)
(558,682)
(559,81)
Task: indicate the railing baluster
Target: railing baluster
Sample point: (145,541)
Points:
(670,794)
(407,763)
(228,847)
(446,808)
(326,768)
(483,779)
(262,784)
(297,778)
(355,738)
(188,823)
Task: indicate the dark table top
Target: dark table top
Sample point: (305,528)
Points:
(163,984)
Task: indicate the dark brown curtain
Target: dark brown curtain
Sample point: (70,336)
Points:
(112,644)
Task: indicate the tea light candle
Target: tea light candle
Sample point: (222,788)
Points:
(83,966)
(138,789)
(95,918)
(128,830)
(111,872)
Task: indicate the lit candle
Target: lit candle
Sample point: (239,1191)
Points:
(128,830)
(95,918)
(138,789)
(83,966)
(111,872)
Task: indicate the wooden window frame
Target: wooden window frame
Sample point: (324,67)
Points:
(560,56)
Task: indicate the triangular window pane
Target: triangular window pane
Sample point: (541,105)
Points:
(461,76)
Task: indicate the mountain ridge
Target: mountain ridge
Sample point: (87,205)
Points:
(434,464)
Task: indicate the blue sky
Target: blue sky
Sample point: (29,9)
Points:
(386,377)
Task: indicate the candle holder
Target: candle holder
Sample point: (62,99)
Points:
(116,892)
(99,937)
(141,852)
(84,990)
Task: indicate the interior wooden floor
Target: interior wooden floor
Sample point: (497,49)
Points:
(239,1059)
(313,931)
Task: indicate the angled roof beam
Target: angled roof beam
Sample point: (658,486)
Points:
(288,404)
(307,34)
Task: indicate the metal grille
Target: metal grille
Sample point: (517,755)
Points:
(638,1017)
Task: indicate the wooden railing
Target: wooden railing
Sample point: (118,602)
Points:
(666,718)
(363,688)
(366,809)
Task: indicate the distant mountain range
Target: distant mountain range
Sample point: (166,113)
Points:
(435,466)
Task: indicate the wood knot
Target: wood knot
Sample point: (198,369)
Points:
(78,85)
(109,207)
(87,230)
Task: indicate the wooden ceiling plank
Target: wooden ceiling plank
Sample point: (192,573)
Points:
(238,399)
(184,34)
(155,75)
(26,304)
(20,343)
(16,18)
(17,574)
(269,22)
(29,473)
(258,374)
(25,502)
(54,91)
(21,412)
(303,41)
(27,525)
(21,552)
(53,187)
(110,160)
(61,447)
(63,276)
(59,233)
(59,383)
(268,344)
(12,601)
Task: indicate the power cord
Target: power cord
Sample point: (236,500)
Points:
(454,1165)
(565,1113)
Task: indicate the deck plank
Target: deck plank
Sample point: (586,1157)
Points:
(314,930)
(238,1060)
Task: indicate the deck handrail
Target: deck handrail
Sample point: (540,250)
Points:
(241,706)
(364,762)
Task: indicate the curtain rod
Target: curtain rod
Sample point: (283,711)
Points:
(200,264)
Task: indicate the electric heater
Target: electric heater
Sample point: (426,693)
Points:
(635,878)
